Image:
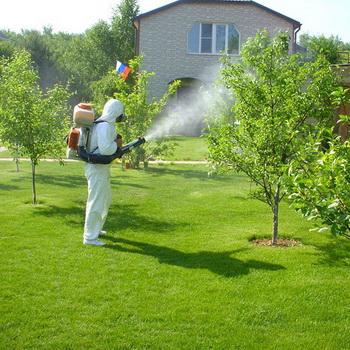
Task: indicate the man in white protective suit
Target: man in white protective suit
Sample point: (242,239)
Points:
(104,141)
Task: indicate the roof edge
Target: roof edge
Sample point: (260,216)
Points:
(179,2)
(277,13)
(156,10)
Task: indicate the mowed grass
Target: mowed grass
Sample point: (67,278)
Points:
(188,148)
(178,270)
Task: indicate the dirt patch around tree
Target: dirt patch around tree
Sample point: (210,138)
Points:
(281,242)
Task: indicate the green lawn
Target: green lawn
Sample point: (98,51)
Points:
(178,271)
(4,153)
(189,148)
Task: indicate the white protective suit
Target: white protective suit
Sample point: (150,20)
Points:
(103,136)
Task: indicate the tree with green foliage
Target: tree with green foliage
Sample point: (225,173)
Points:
(40,46)
(140,109)
(7,47)
(82,59)
(123,30)
(45,49)
(31,120)
(321,45)
(319,178)
(88,57)
(276,98)
(124,48)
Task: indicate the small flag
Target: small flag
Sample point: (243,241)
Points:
(122,69)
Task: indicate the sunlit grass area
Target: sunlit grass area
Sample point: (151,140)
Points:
(189,148)
(178,270)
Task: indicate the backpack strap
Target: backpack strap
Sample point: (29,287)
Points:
(97,122)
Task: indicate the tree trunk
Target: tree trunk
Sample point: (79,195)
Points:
(275,215)
(33,182)
(16,159)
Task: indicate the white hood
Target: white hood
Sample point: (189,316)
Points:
(103,135)
(112,110)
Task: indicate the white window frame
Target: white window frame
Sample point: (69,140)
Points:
(213,39)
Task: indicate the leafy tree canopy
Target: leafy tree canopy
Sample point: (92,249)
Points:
(31,120)
(276,99)
(321,45)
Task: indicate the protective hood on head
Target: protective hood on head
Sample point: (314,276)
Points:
(113,112)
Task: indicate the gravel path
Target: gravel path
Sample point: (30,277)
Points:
(150,162)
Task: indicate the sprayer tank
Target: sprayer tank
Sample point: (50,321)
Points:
(83,115)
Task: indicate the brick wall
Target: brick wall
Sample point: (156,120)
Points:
(163,39)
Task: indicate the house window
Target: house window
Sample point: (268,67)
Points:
(213,38)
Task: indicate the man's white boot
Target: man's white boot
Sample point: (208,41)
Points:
(93,242)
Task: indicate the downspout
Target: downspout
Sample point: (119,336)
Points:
(295,38)
(137,37)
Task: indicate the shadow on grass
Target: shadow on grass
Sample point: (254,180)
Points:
(8,187)
(129,216)
(220,263)
(74,215)
(62,180)
(335,253)
(197,172)
(77,180)
(119,218)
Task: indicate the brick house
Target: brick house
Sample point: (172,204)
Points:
(183,40)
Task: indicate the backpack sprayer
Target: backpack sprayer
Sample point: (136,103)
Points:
(78,139)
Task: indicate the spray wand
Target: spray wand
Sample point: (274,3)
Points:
(130,146)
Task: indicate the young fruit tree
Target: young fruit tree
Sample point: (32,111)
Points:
(280,103)
(319,177)
(141,112)
(31,120)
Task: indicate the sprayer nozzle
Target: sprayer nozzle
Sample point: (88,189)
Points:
(127,148)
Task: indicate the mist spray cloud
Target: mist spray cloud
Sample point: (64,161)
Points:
(187,116)
(184,117)
(195,104)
